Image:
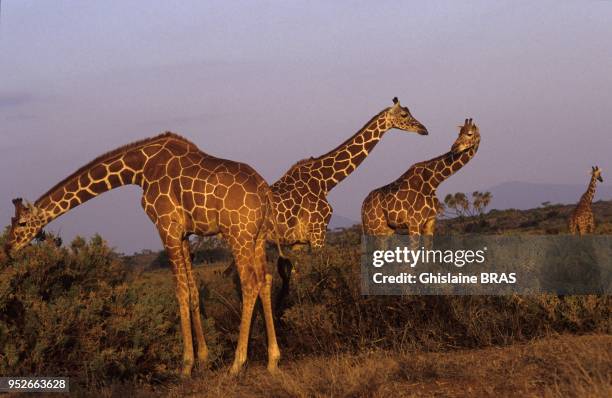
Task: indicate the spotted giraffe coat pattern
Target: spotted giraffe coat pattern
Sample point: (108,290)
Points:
(300,196)
(410,203)
(185,191)
(582,220)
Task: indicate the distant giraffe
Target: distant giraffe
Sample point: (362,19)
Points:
(581,220)
(185,191)
(410,203)
(300,196)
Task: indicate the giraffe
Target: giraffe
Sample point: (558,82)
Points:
(581,220)
(185,192)
(300,203)
(410,203)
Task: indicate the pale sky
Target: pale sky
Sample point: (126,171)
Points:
(269,83)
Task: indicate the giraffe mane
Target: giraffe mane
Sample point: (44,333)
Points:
(425,162)
(301,162)
(313,159)
(117,151)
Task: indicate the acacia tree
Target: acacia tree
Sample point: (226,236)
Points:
(459,205)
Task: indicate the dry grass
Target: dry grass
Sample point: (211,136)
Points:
(566,366)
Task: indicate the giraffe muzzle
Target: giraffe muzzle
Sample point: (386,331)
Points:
(422,130)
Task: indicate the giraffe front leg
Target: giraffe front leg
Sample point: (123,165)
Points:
(591,226)
(172,234)
(194,301)
(428,232)
(572,227)
(414,235)
(175,254)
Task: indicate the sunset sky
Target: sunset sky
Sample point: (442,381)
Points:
(269,83)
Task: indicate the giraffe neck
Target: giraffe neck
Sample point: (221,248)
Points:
(123,166)
(443,166)
(587,197)
(331,168)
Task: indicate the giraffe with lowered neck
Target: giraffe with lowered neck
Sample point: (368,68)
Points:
(185,192)
(300,196)
(410,203)
(581,220)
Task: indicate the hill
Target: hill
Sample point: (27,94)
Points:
(338,221)
(549,219)
(527,195)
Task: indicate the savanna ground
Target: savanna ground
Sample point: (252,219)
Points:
(110,322)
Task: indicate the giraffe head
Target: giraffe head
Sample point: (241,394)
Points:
(596,173)
(469,137)
(400,118)
(25,226)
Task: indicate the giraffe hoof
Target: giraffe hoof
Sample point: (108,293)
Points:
(273,369)
(186,370)
(186,373)
(235,370)
(203,357)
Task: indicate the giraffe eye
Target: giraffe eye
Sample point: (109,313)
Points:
(403,114)
(22,224)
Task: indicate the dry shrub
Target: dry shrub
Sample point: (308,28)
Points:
(77,312)
(328,314)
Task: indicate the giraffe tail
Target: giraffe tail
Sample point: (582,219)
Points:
(272,219)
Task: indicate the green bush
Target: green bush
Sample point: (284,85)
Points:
(78,312)
(328,314)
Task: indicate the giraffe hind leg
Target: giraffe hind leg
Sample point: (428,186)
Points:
(591,226)
(251,281)
(265,294)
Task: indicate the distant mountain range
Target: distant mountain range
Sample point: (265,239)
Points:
(527,195)
(517,195)
(338,221)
